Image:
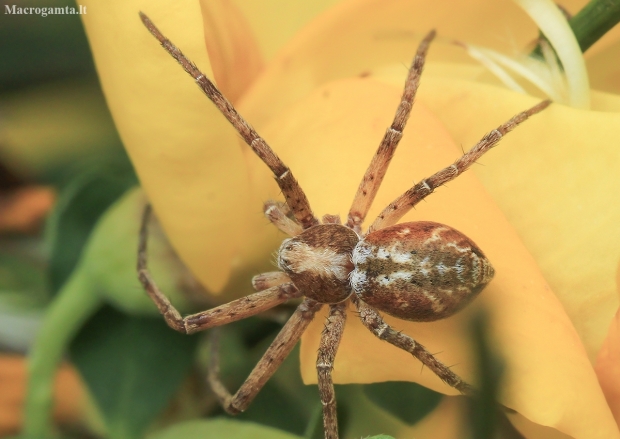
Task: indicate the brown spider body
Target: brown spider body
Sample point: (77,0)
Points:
(420,271)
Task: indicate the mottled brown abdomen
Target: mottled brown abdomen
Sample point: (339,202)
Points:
(421,271)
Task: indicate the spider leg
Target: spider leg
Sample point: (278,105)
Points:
(375,324)
(381,160)
(276,213)
(330,339)
(403,204)
(294,195)
(268,364)
(229,312)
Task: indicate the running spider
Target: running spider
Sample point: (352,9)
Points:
(418,271)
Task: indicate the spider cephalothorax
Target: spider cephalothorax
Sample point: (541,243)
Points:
(318,260)
(419,271)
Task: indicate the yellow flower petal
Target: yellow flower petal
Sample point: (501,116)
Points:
(277,21)
(358,35)
(233,50)
(603,67)
(186,154)
(386,31)
(608,367)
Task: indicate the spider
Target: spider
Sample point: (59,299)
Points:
(418,271)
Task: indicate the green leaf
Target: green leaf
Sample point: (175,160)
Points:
(133,366)
(380,436)
(275,408)
(42,48)
(314,429)
(63,318)
(485,414)
(22,274)
(409,402)
(79,207)
(284,402)
(221,429)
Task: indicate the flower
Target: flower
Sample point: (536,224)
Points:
(543,207)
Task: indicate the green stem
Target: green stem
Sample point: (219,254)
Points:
(72,306)
(591,23)
(594,21)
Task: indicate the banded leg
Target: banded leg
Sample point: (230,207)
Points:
(294,195)
(273,357)
(381,160)
(330,340)
(375,324)
(403,204)
(230,312)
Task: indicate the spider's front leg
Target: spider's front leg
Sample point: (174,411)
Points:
(403,204)
(293,193)
(373,177)
(275,294)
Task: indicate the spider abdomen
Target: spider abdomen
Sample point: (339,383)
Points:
(419,271)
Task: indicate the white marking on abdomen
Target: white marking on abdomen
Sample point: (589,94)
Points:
(442,269)
(400,257)
(361,253)
(358,280)
(457,248)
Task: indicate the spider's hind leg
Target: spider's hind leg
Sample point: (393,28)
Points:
(273,357)
(375,324)
(330,340)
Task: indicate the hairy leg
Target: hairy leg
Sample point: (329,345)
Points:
(275,354)
(375,324)
(294,195)
(330,340)
(381,160)
(229,312)
(403,204)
